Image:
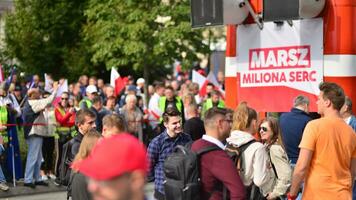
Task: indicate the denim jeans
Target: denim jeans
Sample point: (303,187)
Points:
(2,176)
(354,192)
(34,159)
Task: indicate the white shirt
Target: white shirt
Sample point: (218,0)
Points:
(153,107)
(214,141)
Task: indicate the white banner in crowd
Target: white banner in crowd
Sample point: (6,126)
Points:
(290,56)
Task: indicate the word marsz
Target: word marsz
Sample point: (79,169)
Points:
(279,57)
(279,77)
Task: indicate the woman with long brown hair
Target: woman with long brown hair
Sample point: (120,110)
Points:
(78,183)
(272,138)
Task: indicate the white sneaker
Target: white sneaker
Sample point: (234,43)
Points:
(4,187)
(52,176)
(44,178)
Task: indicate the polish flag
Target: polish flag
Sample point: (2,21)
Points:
(116,81)
(198,78)
(212,79)
(62,87)
(203,82)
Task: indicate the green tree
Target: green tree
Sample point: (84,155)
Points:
(143,34)
(45,36)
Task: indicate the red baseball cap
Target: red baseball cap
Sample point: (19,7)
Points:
(114,156)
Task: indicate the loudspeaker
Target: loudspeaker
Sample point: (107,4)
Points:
(206,13)
(280,10)
(310,8)
(235,11)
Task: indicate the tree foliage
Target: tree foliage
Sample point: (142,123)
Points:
(44,36)
(69,37)
(138,33)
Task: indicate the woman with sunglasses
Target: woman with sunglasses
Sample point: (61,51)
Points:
(271,136)
(253,164)
(65,117)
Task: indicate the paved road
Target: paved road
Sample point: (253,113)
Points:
(45,196)
(63,195)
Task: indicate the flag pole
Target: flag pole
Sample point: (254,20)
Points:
(13,157)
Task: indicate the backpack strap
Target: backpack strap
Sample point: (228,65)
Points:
(273,167)
(245,146)
(208,149)
(236,152)
(242,150)
(225,193)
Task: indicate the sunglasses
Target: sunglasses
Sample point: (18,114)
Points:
(64,98)
(264,129)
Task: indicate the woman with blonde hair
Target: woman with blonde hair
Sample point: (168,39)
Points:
(77,183)
(255,171)
(271,136)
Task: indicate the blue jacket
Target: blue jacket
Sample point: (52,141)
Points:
(352,122)
(292,125)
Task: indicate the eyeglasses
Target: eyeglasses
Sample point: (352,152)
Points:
(64,98)
(264,129)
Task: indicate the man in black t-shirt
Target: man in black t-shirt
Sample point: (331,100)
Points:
(194,126)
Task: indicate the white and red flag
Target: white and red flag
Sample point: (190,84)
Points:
(62,87)
(116,81)
(203,82)
(212,79)
(198,78)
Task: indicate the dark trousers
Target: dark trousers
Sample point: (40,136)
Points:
(159,196)
(47,153)
(63,138)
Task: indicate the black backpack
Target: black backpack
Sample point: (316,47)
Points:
(181,170)
(66,161)
(235,153)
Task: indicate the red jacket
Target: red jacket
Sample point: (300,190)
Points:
(218,169)
(66,120)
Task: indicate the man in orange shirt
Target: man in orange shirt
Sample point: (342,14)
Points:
(327,159)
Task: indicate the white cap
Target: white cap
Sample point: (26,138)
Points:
(140,80)
(91,89)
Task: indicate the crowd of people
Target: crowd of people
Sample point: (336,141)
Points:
(48,116)
(102,135)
